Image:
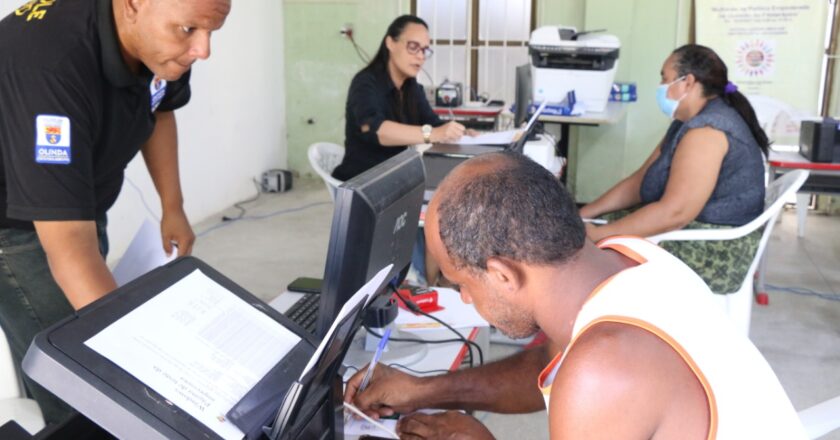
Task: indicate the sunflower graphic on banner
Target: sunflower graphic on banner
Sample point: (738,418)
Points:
(774,52)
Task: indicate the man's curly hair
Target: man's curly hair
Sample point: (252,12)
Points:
(517,210)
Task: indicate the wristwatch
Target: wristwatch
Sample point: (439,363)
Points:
(427,133)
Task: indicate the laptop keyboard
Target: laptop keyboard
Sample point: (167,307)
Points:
(304,312)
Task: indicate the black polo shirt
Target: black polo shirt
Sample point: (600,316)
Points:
(72,114)
(373,98)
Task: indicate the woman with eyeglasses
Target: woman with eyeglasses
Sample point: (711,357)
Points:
(706,173)
(387,109)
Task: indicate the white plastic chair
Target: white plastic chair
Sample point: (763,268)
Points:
(738,305)
(14,405)
(324,157)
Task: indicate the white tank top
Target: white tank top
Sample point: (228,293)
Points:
(663,296)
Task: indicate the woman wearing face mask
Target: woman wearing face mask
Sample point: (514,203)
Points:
(386,107)
(707,172)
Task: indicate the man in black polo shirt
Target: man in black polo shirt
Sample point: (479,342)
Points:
(84,86)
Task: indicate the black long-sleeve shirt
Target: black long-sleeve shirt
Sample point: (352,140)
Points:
(373,98)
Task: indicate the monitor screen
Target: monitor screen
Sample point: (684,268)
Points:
(522,94)
(374,224)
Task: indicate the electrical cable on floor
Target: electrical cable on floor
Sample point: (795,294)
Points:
(238,205)
(804,292)
(227,221)
(261,217)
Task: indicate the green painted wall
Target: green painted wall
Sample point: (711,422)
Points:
(320,63)
(567,13)
(648,30)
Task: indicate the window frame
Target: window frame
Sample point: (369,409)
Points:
(475,42)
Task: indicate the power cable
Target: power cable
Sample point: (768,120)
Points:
(416,309)
(804,292)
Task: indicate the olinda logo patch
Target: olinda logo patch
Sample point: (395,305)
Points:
(52,139)
(157,90)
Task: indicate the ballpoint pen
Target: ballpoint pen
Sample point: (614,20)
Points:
(594,221)
(376,355)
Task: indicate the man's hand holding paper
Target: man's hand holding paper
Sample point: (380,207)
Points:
(389,392)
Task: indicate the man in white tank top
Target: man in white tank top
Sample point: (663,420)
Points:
(641,349)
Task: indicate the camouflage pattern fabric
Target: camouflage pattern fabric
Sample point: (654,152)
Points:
(722,264)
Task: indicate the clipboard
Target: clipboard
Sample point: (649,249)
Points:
(59,360)
(313,403)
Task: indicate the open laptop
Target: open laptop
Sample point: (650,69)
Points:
(441,158)
(519,144)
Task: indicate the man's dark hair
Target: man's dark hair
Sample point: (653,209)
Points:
(518,210)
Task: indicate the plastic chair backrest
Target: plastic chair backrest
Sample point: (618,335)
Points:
(775,195)
(774,199)
(324,157)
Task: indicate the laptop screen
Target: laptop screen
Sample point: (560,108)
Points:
(519,144)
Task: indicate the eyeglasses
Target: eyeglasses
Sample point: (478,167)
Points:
(414,48)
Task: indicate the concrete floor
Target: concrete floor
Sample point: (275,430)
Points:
(798,334)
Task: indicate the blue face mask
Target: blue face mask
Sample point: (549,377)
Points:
(667,105)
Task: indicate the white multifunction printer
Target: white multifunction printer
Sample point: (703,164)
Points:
(563,59)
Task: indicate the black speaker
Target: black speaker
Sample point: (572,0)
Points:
(819,141)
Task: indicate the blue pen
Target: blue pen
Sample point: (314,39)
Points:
(378,354)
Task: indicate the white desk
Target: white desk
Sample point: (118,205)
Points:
(437,358)
(447,356)
(613,112)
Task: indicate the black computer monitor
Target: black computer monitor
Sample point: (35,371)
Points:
(522,94)
(374,224)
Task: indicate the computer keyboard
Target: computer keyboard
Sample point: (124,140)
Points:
(304,312)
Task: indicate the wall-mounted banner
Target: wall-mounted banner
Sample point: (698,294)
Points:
(774,52)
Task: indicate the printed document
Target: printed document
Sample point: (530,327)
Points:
(365,293)
(198,345)
(143,254)
(491,138)
(502,137)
